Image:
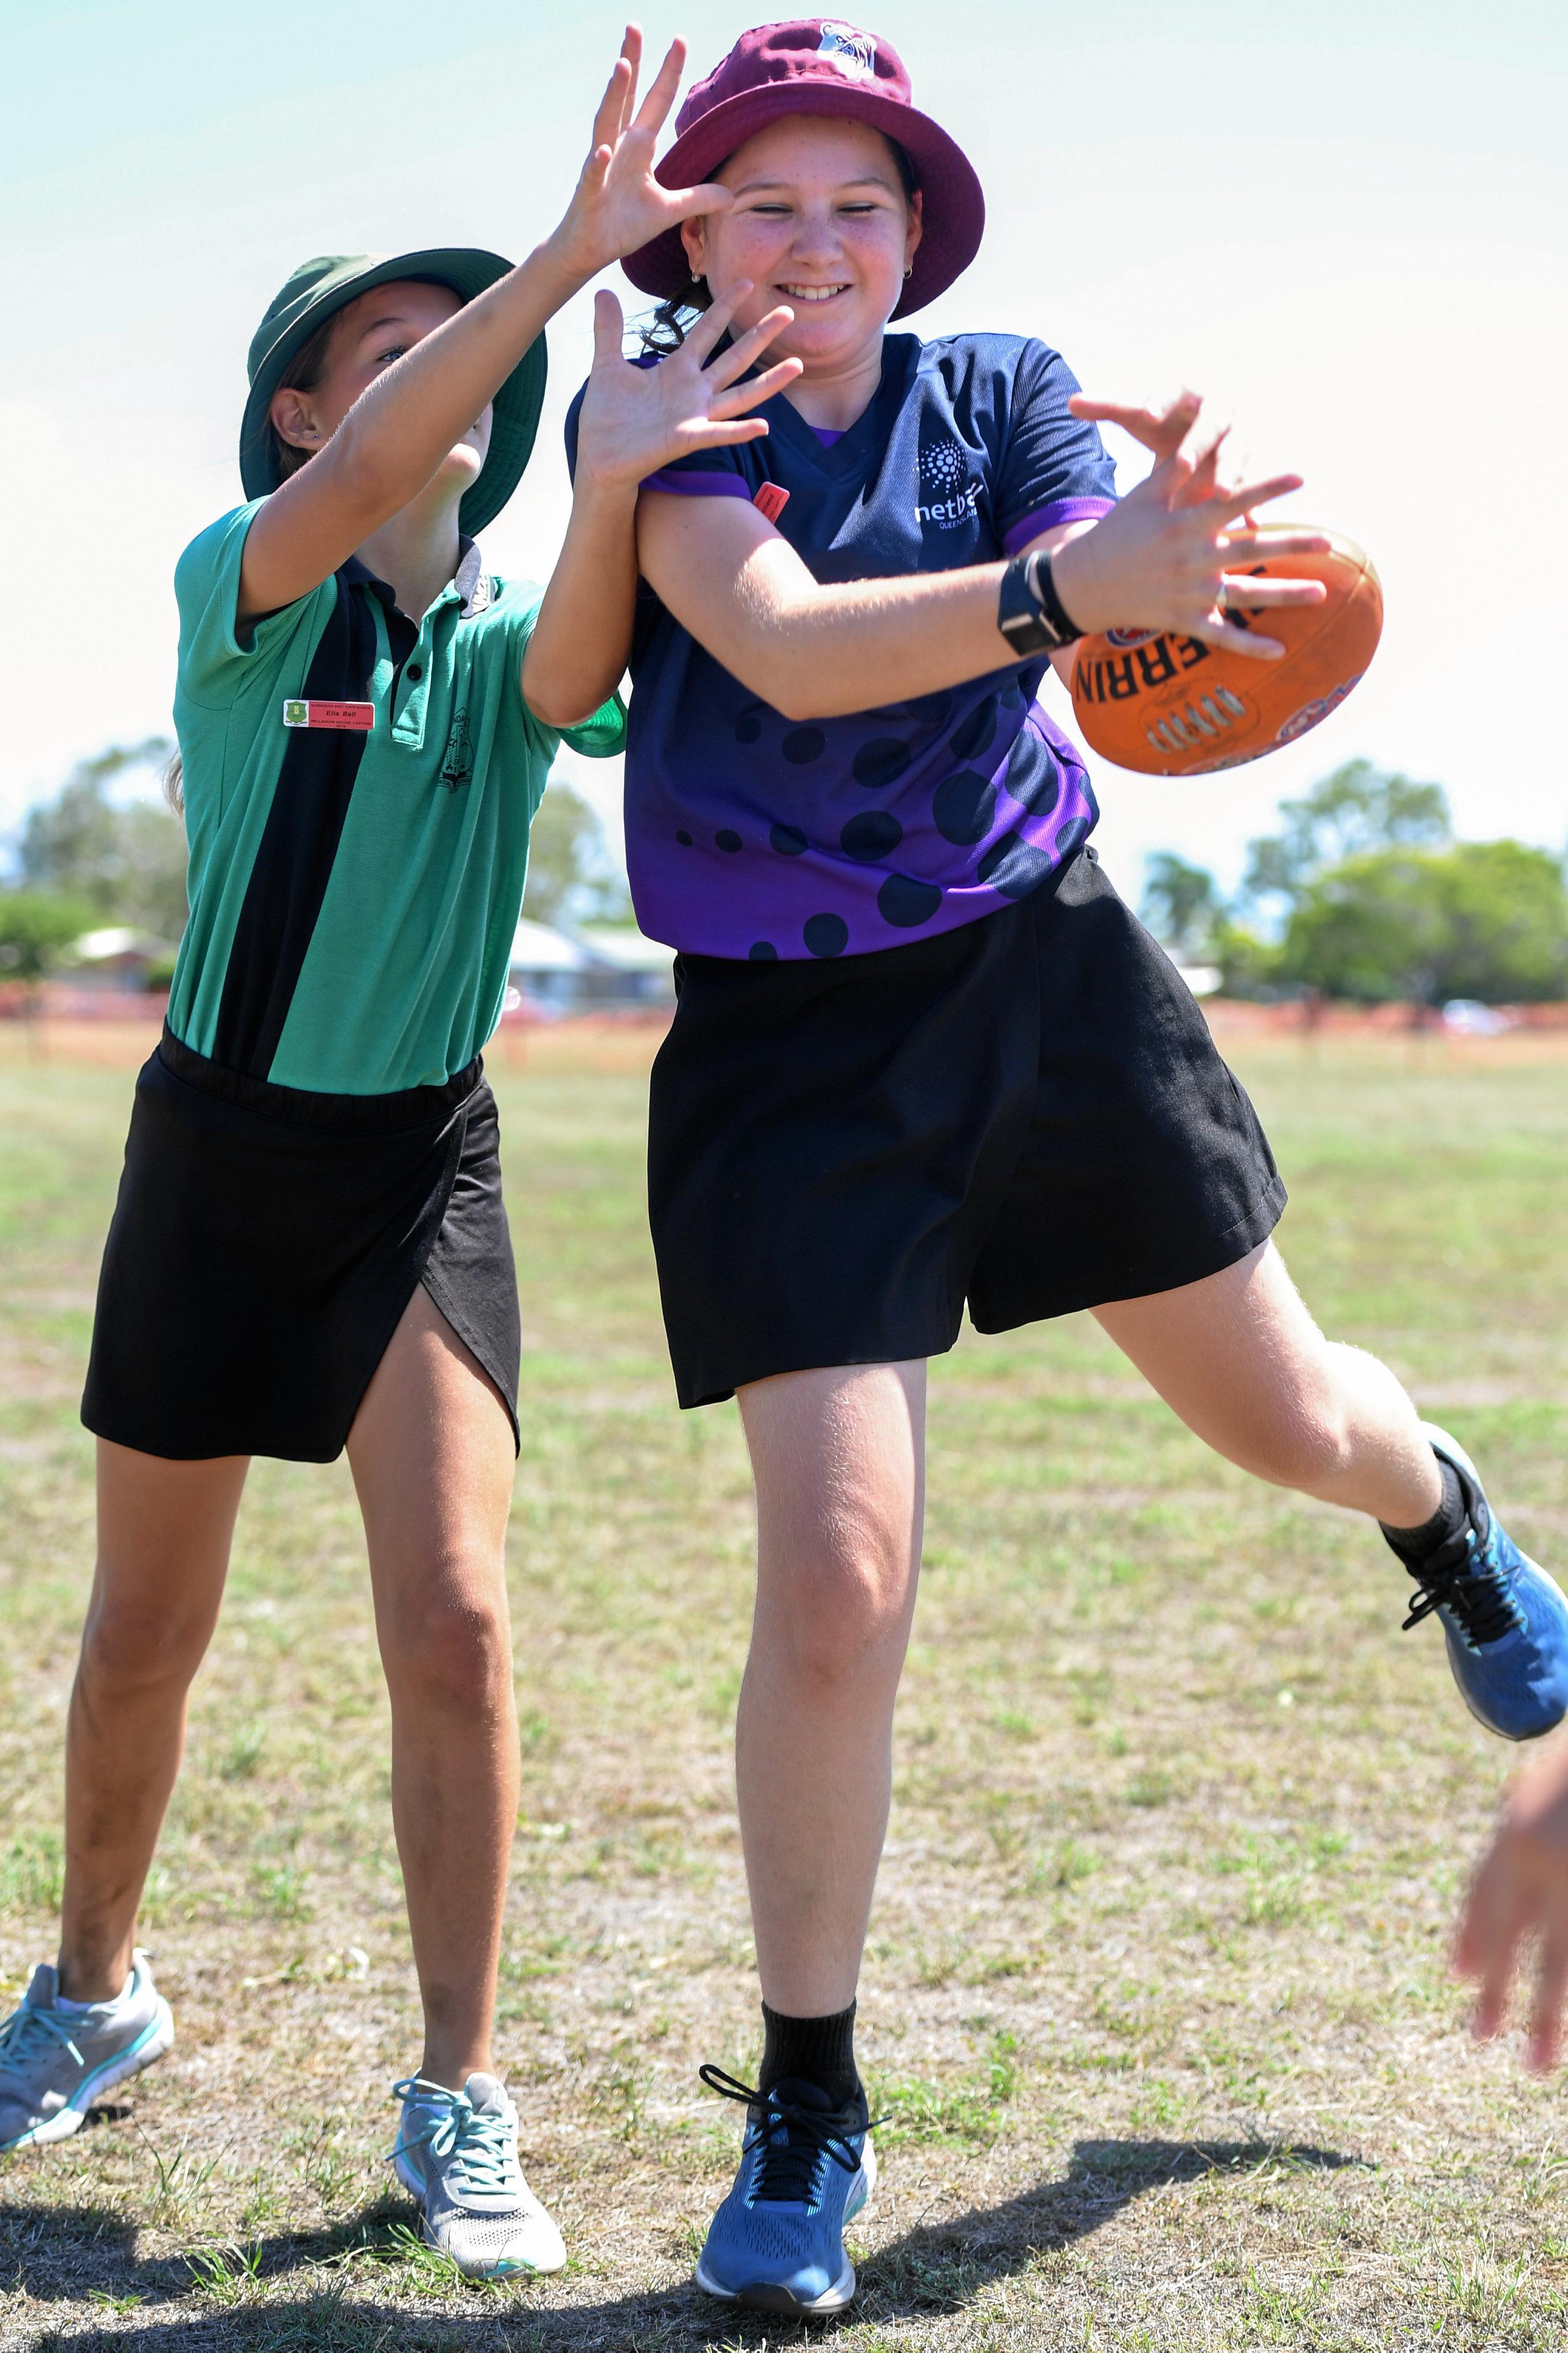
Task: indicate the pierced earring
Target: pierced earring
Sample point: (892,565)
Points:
(911,271)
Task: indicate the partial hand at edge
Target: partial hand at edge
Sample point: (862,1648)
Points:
(1518,1898)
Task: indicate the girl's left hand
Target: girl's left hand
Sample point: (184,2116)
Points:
(617,204)
(636,420)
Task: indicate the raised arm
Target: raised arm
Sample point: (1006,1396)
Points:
(633,421)
(1159,560)
(401,428)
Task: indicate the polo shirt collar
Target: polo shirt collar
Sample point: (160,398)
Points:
(472,585)
(475,588)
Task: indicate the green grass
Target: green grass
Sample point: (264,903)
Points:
(1156,1991)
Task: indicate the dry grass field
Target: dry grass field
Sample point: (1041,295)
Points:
(1157,1993)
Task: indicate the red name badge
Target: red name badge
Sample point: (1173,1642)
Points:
(771,501)
(359,716)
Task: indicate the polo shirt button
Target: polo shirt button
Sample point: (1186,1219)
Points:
(416,670)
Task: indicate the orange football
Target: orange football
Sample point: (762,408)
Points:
(1169,706)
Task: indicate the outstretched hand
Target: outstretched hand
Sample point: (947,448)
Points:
(617,204)
(1169,555)
(636,420)
(1519,1900)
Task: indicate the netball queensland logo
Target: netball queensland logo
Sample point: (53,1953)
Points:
(947,495)
(853,52)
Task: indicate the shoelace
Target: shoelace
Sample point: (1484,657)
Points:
(1464,1576)
(478,2142)
(790,2159)
(27,2035)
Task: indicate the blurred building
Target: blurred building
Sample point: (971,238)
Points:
(600,968)
(122,957)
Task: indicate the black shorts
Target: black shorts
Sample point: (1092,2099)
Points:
(265,1244)
(1027,1114)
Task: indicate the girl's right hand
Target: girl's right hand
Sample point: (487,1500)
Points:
(636,420)
(1167,554)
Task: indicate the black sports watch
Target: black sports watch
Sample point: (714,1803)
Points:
(1029,613)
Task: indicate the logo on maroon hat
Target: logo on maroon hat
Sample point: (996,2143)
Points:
(854,53)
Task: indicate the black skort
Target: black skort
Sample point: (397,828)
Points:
(265,1244)
(1027,1114)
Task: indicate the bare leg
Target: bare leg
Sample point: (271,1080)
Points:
(431,1453)
(839,1463)
(164,1535)
(1242,1362)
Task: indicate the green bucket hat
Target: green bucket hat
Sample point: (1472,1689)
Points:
(319,288)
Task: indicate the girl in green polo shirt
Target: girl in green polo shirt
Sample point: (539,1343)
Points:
(310,1249)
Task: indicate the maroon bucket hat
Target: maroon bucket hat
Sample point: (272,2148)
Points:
(816,65)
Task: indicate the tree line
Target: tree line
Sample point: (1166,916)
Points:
(1364,894)
(87,858)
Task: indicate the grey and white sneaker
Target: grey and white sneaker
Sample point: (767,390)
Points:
(457,2156)
(55,2062)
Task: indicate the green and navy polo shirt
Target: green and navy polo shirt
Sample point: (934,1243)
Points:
(354,889)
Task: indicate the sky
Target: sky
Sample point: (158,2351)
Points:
(1346,225)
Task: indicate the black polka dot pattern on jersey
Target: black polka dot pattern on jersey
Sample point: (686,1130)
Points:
(1033,779)
(683,837)
(826,936)
(804,744)
(871,835)
(1014,866)
(788,840)
(763,952)
(880,762)
(749,727)
(729,839)
(905,902)
(962,808)
(970,739)
(1071,836)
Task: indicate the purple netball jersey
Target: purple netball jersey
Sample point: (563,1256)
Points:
(752,835)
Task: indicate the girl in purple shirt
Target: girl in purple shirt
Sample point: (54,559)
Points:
(924,1056)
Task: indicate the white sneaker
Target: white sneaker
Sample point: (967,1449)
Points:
(457,2156)
(56,2061)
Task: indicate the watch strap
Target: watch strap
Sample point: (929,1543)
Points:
(1051,607)
(1029,613)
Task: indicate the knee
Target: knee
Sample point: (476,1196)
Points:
(840,1617)
(130,1645)
(450,1646)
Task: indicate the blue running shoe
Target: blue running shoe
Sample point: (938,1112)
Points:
(1505,1621)
(776,2243)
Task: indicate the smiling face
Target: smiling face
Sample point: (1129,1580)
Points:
(367,335)
(821,222)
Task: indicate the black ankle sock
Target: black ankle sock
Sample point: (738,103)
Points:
(1416,1545)
(820,2050)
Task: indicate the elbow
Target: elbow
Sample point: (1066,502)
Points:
(562,715)
(800,701)
(785,683)
(362,476)
(563,703)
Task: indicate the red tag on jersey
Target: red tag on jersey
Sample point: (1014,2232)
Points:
(358,716)
(771,501)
